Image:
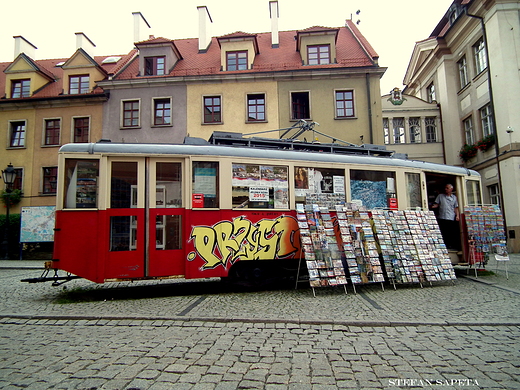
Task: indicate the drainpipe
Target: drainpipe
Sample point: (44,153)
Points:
(442,134)
(369,97)
(492,106)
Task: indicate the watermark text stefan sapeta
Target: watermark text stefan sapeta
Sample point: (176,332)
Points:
(432,382)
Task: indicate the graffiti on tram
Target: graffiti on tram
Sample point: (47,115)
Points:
(228,241)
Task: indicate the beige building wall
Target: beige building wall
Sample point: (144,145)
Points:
(322,108)
(439,65)
(412,107)
(234,108)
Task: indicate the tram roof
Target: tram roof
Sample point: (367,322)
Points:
(203,148)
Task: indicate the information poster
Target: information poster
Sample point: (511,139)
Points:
(37,224)
(205,182)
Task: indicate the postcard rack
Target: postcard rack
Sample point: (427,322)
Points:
(412,247)
(371,246)
(485,226)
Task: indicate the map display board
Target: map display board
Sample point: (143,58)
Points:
(37,224)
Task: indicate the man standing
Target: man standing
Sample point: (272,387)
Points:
(448,217)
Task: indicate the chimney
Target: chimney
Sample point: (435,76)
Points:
(273,11)
(22,45)
(204,29)
(140,25)
(83,42)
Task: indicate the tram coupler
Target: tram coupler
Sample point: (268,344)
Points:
(56,279)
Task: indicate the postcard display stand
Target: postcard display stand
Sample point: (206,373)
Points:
(486,229)
(359,245)
(412,247)
(320,246)
(326,248)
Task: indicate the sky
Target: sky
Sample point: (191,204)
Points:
(391,27)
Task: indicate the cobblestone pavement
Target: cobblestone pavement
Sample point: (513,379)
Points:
(206,335)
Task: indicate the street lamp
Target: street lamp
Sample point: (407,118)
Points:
(9,176)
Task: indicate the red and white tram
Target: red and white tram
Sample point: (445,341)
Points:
(150,211)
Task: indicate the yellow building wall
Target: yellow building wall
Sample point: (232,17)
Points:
(234,108)
(18,157)
(47,156)
(322,108)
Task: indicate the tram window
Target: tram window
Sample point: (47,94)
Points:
(123,190)
(205,184)
(168,185)
(318,181)
(260,186)
(372,187)
(81,183)
(168,232)
(473,191)
(413,189)
(123,233)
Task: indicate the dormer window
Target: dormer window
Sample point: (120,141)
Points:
(21,88)
(154,66)
(318,54)
(79,84)
(236,60)
(317,45)
(238,51)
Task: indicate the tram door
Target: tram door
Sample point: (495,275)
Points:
(165,218)
(126,219)
(145,218)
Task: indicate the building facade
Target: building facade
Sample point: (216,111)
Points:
(165,90)
(45,104)
(413,126)
(469,67)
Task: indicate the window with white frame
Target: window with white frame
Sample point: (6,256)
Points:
(162,112)
(494,194)
(430,126)
(131,113)
(52,132)
(430,93)
(463,72)
(344,104)
(17,134)
(468,131)
(81,130)
(50,177)
(79,84)
(414,129)
(486,118)
(256,107)
(386,130)
(18,181)
(20,88)
(300,105)
(236,60)
(155,66)
(318,54)
(479,51)
(398,130)
(212,111)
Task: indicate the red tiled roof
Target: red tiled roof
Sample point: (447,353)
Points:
(352,50)
(49,68)
(153,40)
(237,34)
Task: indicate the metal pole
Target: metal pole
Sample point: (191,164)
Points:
(5,243)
